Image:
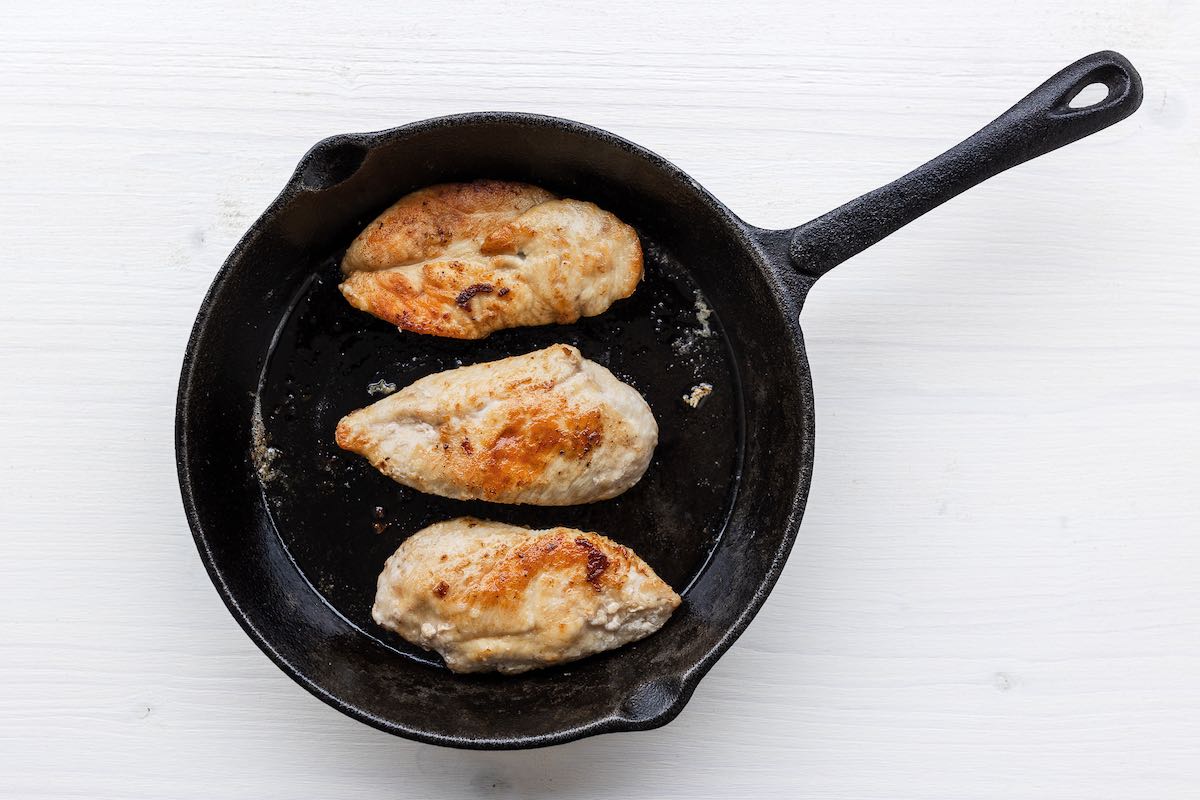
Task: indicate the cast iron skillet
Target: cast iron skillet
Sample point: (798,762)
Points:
(293,531)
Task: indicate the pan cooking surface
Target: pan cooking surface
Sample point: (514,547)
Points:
(340,519)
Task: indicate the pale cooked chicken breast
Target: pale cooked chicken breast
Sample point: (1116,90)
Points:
(465,259)
(489,596)
(549,428)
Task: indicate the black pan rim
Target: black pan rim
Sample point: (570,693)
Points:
(789,298)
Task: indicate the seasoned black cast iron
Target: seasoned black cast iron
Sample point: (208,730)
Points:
(288,525)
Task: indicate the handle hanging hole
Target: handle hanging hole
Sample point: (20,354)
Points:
(1090,95)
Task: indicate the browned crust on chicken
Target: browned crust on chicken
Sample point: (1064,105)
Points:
(594,561)
(421,225)
(490,596)
(462,260)
(538,429)
(548,428)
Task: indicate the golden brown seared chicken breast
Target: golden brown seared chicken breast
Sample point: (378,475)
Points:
(465,259)
(548,428)
(489,596)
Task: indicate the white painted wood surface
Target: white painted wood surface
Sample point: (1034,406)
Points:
(996,593)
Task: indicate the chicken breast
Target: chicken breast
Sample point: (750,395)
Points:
(465,259)
(489,596)
(549,428)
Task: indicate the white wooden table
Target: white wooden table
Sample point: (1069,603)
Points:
(996,591)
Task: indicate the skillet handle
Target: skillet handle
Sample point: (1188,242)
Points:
(1042,122)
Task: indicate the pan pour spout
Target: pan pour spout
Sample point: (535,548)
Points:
(1043,121)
